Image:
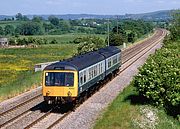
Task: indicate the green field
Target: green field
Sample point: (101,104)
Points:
(128,111)
(17,65)
(64,38)
(14,23)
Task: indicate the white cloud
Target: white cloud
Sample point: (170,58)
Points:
(55,2)
(160,1)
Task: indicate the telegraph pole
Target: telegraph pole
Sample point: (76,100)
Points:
(117,24)
(108,32)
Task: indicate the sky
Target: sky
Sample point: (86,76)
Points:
(112,7)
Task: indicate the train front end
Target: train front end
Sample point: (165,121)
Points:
(60,86)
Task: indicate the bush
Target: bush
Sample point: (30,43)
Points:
(89,43)
(27,41)
(12,41)
(159,79)
(54,41)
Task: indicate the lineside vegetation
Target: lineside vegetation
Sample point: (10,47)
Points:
(152,100)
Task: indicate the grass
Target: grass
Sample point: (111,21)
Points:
(64,38)
(14,23)
(17,65)
(129,111)
(25,80)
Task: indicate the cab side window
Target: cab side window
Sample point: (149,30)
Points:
(81,78)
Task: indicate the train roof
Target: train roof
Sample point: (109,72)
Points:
(82,61)
(109,51)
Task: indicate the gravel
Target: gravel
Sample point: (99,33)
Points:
(85,116)
(13,102)
(46,122)
(7,116)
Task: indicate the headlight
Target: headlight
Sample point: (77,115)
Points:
(69,93)
(47,93)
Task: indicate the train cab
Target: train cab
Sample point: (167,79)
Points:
(60,82)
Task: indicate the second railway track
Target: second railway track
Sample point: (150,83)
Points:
(54,115)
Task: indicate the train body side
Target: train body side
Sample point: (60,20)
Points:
(87,70)
(95,73)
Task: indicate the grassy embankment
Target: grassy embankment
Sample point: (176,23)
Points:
(130,111)
(17,65)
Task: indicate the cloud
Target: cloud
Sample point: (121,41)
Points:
(55,2)
(132,1)
(160,1)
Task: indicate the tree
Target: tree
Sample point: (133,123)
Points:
(25,18)
(48,27)
(29,28)
(1,31)
(64,25)
(37,19)
(89,43)
(9,29)
(116,39)
(175,27)
(131,37)
(19,16)
(53,20)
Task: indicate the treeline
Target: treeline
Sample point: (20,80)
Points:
(54,26)
(126,31)
(30,41)
(159,79)
(129,31)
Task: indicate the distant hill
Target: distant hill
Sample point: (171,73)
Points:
(158,15)
(5,16)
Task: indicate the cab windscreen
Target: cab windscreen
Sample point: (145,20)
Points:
(59,79)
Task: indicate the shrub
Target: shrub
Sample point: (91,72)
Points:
(159,79)
(89,43)
(54,41)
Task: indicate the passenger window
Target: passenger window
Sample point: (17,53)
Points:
(101,68)
(109,63)
(84,76)
(119,57)
(115,60)
(81,80)
(94,71)
(89,73)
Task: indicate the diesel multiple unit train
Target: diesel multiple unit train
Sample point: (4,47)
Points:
(66,81)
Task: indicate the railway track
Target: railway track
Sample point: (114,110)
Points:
(131,52)
(50,117)
(53,113)
(16,112)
